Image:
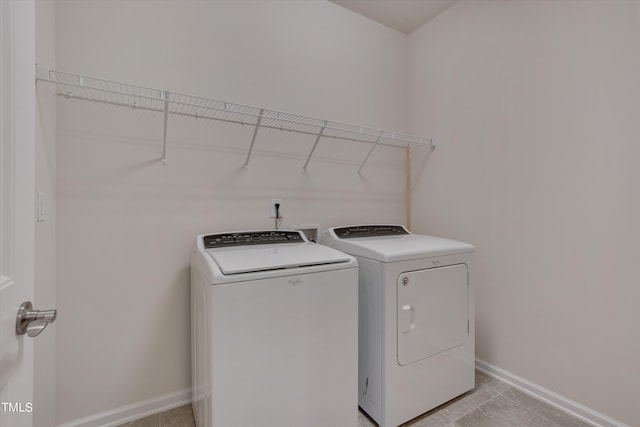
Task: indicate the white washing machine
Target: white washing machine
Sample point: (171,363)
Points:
(274,331)
(416,319)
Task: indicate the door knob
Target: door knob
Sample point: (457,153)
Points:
(32,322)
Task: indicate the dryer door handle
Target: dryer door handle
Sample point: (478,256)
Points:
(407,317)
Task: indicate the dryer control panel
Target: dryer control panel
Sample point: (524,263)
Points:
(369,231)
(251,238)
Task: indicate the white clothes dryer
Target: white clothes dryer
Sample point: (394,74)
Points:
(416,319)
(273,331)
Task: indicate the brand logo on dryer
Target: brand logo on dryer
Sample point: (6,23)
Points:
(295,281)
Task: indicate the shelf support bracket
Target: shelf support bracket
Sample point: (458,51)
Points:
(370,151)
(253,139)
(315,144)
(165,95)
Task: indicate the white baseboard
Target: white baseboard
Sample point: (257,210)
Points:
(133,411)
(564,404)
(148,407)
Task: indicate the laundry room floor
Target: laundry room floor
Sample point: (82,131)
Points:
(491,403)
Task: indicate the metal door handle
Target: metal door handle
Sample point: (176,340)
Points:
(32,322)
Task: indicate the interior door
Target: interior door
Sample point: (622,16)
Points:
(433,311)
(17,224)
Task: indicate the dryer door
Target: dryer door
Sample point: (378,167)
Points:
(433,311)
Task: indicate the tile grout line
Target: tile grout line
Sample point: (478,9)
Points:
(473,409)
(532,411)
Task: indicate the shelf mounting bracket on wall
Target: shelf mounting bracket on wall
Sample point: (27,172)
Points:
(324,125)
(165,96)
(253,139)
(375,144)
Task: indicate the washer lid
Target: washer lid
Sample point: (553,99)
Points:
(266,257)
(395,244)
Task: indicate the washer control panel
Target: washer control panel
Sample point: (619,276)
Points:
(251,238)
(369,231)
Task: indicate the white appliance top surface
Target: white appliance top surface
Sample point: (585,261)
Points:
(397,247)
(246,259)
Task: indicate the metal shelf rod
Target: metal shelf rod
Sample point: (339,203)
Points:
(117,104)
(374,132)
(171,103)
(106,91)
(239,122)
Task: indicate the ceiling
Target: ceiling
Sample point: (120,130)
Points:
(402,15)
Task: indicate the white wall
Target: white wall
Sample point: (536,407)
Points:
(535,106)
(126,224)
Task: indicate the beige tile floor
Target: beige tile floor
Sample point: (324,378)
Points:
(491,403)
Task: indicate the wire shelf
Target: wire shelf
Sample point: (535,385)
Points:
(169,103)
